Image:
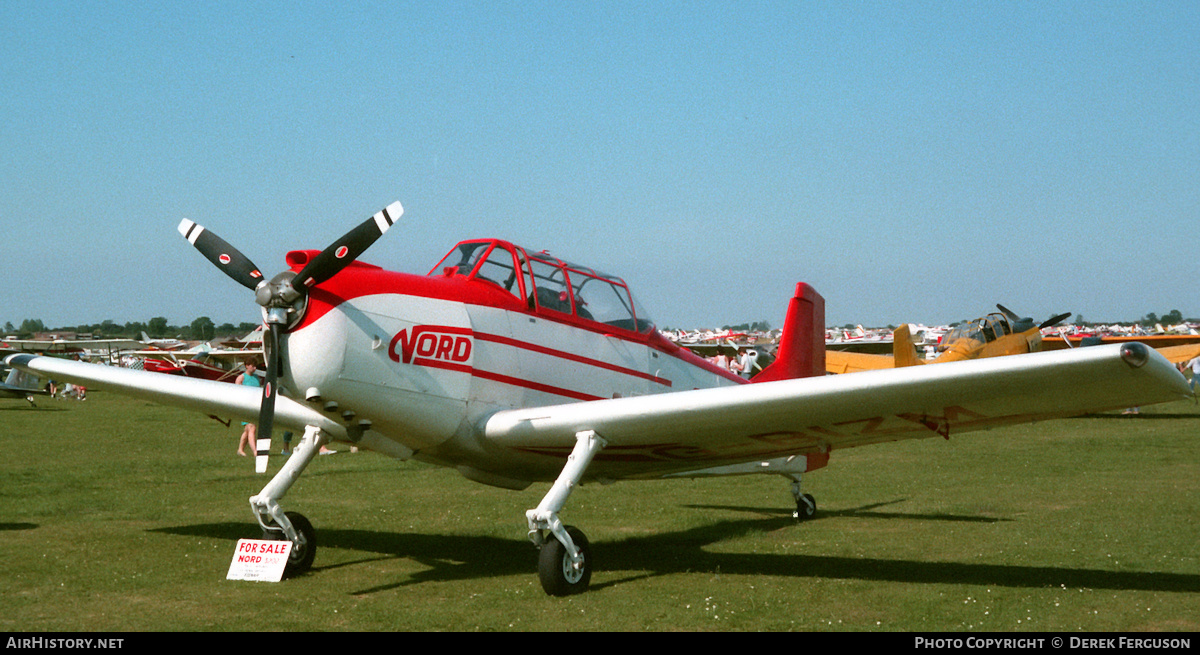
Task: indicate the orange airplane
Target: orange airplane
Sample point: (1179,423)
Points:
(994,335)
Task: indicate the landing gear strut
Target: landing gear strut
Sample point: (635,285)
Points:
(806,505)
(279,525)
(565,563)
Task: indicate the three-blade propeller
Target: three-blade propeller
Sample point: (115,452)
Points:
(282,297)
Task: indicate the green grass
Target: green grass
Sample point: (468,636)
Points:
(121,515)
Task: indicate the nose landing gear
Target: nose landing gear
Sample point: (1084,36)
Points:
(278,525)
(565,562)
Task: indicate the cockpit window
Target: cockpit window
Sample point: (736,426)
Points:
(498,268)
(566,287)
(553,289)
(984,330)
(488,260)
(549,283)
(463,258)
(600,300)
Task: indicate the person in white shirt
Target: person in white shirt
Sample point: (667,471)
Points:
(1194,364)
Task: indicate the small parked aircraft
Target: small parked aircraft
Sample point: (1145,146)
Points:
(21,385)
(163,344)
(57,346)
(994,335)
(200,361)
(512,366)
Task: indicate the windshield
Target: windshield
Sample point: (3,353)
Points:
(984,330)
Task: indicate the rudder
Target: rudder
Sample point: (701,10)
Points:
(904,353)
(802,344)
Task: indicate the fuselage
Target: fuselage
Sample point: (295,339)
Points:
(425,360)
(990,336)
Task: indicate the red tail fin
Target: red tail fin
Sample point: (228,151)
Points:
(802,344)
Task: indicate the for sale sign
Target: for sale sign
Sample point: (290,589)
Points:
(258,560)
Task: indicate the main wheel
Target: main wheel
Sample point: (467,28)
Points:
(558,575)
(806,507)
(301,557)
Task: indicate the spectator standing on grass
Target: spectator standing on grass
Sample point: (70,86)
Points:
(248,379)
(1194,365)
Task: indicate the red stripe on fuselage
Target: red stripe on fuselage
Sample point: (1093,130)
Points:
(495,338)
(504,379)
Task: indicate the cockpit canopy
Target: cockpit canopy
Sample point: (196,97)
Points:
(984,330)
(547,284)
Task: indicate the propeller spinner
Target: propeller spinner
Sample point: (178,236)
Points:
(283,297)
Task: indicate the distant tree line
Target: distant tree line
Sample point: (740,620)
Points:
(756,326)
(1173,317)
(201,329)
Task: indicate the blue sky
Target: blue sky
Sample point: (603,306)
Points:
(912,161)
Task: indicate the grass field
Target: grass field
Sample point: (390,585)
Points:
(119,515)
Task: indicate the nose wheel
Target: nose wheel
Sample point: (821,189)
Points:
(561,574)
(304,549)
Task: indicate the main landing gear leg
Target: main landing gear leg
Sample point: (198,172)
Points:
(279,525)
(806,505)
(564,566)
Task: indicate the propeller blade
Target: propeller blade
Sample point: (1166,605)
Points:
(266,411)
(346,249)
(219,252)
(1054,320)
(1008,312)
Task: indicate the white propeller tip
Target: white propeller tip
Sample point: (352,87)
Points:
(389,216)
(262,449)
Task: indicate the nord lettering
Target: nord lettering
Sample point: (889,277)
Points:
(436,342)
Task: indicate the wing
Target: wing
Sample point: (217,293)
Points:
(43,345)
(207,396)
(687,430)
(841,361)
(1180,354)
(248,352)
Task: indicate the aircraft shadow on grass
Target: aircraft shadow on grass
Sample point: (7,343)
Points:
(866,511)
(1141,417)
(464,557)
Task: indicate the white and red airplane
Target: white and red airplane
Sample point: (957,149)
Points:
(513,367)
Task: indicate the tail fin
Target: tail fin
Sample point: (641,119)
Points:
(802,344)
(904,353)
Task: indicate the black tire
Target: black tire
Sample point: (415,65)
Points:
(301,557)
(557,575)
(806,508)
